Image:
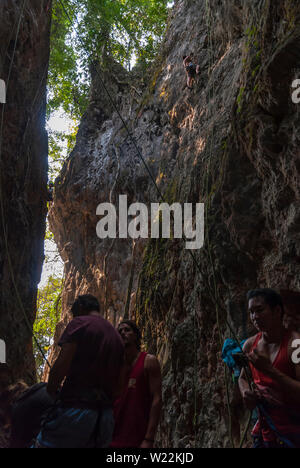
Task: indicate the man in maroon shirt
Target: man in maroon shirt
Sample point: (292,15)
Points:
(137,410)
(90,361)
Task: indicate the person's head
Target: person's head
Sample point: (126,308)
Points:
(184,57)
(130,334)
(266,308)
(85,304)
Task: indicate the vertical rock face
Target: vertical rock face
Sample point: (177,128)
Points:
(231,143)
(24,57)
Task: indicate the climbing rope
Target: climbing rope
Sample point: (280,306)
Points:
(19,300)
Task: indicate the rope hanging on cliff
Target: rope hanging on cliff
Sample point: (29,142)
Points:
(28,324)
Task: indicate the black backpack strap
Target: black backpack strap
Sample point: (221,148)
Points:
(31,391)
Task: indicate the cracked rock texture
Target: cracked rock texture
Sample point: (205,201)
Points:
(24,58)
(231,143)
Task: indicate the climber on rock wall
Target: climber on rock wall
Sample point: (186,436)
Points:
(275,372)
(137,410)
(90,361)
(191,68)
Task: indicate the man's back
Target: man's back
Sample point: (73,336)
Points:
(98,358)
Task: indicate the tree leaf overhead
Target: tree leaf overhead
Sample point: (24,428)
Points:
(130,31)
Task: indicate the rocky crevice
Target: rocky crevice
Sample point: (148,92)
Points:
(24,58)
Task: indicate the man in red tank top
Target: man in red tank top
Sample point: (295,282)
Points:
(275,372)
(137,410)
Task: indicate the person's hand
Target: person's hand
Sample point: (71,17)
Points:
(260,361)
(146,444)
(250,399)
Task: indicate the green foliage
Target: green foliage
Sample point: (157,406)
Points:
(127,30)
(240,99)
(60,143)
(67,89)
(251,32)
(124,29)
(49,236)
(48,315)
(121,28)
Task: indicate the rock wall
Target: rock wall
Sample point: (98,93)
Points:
(24,57)
(232,143)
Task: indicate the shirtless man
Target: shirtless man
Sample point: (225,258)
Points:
(137,410)
(191,68)
(275,372)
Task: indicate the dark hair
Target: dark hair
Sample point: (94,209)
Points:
(271,297)
(84,304)
(290,297)
(135,329)
(184,57)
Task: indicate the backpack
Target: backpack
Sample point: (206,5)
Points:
(27,414)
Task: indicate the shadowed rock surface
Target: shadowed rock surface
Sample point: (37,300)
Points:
(232,143)
(24,57)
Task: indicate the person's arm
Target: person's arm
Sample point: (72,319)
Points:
(153,372)
(61,367)
(249,396)
(291,387)
(186,61)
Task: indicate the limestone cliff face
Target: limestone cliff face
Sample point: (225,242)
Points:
(24,57)
(232,143)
